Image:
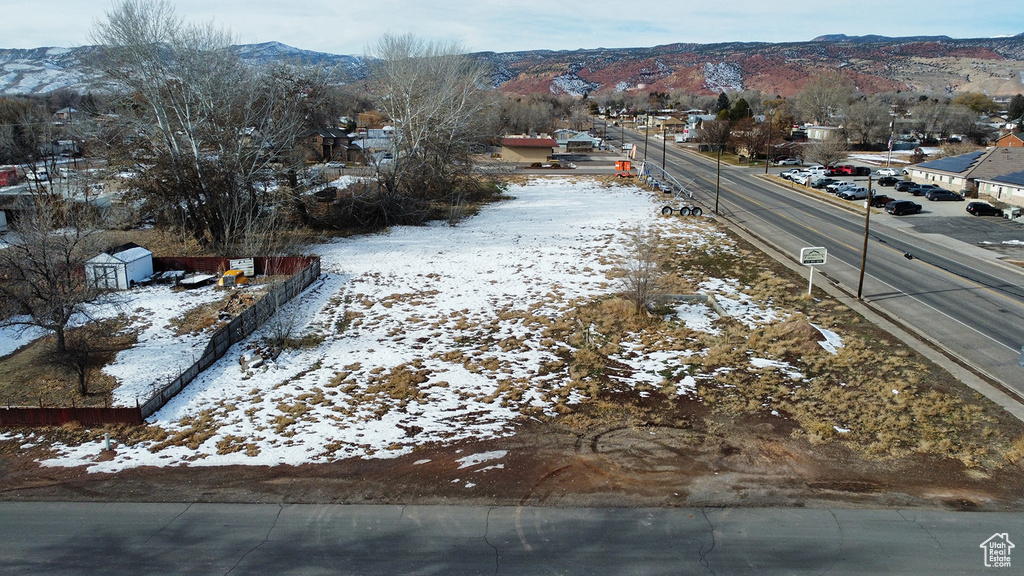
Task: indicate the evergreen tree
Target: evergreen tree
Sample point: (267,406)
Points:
(723,103)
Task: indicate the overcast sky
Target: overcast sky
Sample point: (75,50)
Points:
(511,25)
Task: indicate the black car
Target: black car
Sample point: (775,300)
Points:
(880,200)
(861,171)
(922,189)
(983,209)
(888,181)
(901,207)
(942,194)
(904,185)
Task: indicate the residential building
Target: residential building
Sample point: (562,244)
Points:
(1011,140)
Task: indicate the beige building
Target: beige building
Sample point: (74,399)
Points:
(965,172)
(528,149)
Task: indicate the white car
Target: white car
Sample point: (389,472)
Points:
(885,172)
(840,185)
(787,162)
(854,193)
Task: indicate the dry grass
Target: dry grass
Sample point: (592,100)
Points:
(31,377)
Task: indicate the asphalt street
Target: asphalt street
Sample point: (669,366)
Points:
(124,538)
(952,293)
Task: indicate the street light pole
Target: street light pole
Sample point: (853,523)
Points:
(768,148)
(892,135)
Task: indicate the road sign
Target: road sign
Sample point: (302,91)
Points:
(813,256)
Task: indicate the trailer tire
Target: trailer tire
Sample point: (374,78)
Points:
(684,211)
(666,211)
(696,211)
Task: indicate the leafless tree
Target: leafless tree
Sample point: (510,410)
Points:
(832,149)
(204,129)
(42,281)
(715,132)
(526,115)
(867,120)
(642,278)
(824,96)
(432,93)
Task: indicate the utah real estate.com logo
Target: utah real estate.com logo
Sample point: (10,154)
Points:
(997,550)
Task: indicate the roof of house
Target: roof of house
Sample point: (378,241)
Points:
(529,142)
(959,163)
(1016,135)
(1015,178)
(981,164)
(328,133)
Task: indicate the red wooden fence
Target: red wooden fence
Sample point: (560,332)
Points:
(58,416)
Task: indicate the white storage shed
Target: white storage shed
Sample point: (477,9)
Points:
(120,269)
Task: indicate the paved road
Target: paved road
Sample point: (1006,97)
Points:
(952,292)
(89,538)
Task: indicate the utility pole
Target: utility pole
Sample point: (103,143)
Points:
(864,251)
(718,178)
(647,132)
(664,144)
(768,148)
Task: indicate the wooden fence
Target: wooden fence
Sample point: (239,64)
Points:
(242,325)
(303,270)
(58,416)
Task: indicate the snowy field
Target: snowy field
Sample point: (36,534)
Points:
(430,334)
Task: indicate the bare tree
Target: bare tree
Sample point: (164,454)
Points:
(42,281)
(867,120)
(203,127)
(642,278)
(432,93)
(715,132)
(830,150)
(824,96)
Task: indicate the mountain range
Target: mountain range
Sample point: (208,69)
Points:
(929,64)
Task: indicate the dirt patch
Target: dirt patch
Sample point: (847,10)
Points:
(36,375)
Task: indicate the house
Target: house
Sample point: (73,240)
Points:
(65,114)
(1011,140)
(326,144)
(962,172)
(820,133)
(580,142)
(119,268)
(527,149)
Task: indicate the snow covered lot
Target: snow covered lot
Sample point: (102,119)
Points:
(430,334)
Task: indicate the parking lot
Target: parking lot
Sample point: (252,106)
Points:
(948,218)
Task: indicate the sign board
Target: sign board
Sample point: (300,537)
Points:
(813,256)
(248,266)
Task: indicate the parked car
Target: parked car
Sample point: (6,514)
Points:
(801,178)
(838,185)
(901,207)
(861,171)
(855,193)
(942,194)
(821,182)
(816,168)
(788,174)
(888,181)
(904,186)
(880,200)
(886,172)
(787,162)
(842,170)
(983,209)
(922,189)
